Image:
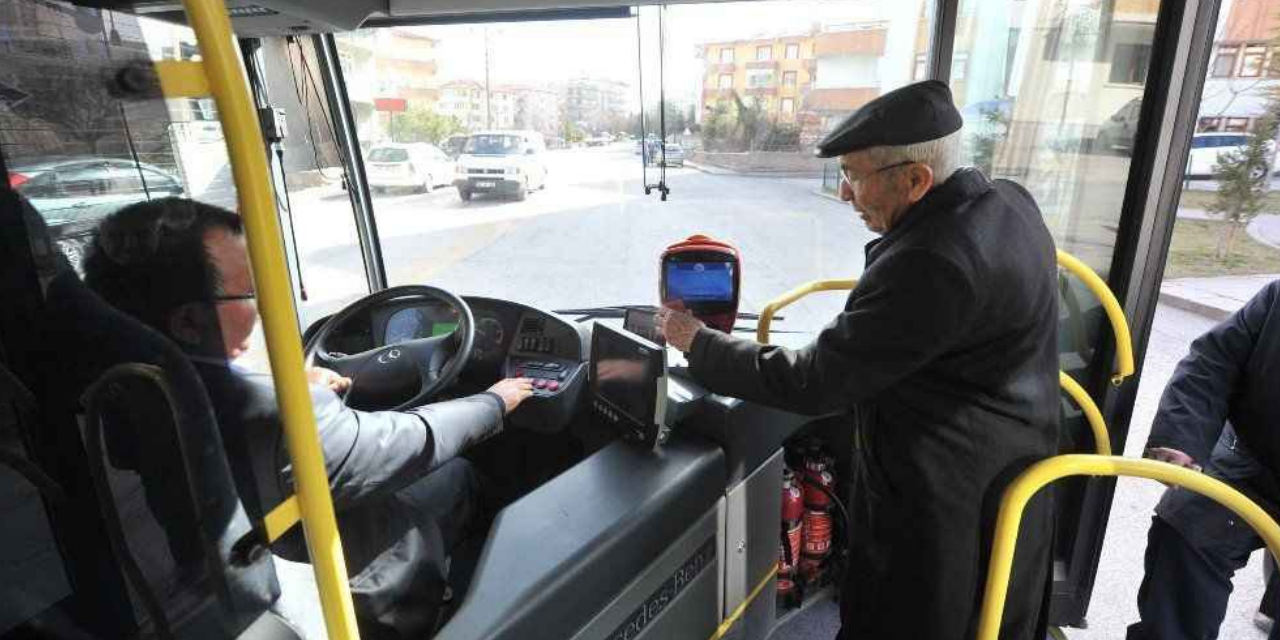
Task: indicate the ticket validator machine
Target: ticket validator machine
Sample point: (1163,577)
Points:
(704,275)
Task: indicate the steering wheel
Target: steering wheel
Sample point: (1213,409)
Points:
(383,375)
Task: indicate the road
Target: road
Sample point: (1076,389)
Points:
(592,237)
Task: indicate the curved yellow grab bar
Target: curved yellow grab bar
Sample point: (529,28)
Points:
(1101,438)
(224,69)
(1042,473)
(1119,324)
(786,299)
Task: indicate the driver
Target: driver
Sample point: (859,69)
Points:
(403,497)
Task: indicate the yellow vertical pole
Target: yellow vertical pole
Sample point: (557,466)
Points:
(229,85)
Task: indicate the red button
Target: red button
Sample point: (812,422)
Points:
(519,373)
(553,385)
(539,383)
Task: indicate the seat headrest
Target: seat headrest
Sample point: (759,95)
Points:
(28,246)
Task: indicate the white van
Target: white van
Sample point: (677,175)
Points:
(510,163)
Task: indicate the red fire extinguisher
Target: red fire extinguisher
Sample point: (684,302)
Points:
(792,539)
(818,482)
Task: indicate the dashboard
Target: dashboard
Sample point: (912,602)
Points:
(511,340)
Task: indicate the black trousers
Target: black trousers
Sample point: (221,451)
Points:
(397,549)
(1184,592)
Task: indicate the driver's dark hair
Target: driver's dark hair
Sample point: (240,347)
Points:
(149,258)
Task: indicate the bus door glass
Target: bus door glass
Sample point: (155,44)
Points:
(1050,92)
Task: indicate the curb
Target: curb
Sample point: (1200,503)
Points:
(1198,308)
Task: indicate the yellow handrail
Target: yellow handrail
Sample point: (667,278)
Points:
(784,300)
(1101,438)
(1115,314)
(1042,473)
(229,85)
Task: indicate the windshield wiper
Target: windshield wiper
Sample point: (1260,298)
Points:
(619,311)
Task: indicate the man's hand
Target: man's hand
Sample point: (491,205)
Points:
(1172,456)
(322,376)
(513,391)
(678,327)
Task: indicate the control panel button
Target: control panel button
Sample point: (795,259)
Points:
(539,384)
(552,385)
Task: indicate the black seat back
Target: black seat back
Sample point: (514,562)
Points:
(157,469)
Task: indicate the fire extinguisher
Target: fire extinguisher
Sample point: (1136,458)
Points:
(818,482)
(792,538)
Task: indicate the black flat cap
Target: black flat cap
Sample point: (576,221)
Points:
(915,113)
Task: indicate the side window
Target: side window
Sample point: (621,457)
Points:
(44,186)
(83,181)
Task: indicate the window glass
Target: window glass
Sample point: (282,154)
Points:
(1251,63)
(1130,63)
(571,227)
(1224,63)
(388,154)
(76,151)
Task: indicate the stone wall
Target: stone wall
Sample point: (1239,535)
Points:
(762,162)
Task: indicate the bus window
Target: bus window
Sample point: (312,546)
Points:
(76,152)
(571,226)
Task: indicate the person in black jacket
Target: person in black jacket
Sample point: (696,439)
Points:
(944,361)
(1219,413)
(402,495)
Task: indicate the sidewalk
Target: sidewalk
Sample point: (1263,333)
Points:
(1213,298)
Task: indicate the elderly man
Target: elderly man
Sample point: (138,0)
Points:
(945,363)
(404,498)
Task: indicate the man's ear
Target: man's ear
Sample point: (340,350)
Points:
(921,177)
(190,323)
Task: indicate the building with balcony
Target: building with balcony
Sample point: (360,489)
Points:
(772,72)
(1244,72)
(596,105)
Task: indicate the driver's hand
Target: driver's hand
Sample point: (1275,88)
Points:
(513,391)
(322,376)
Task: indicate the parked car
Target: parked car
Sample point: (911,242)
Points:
(417,166)
(674,155)
(1206,147)
(509,163)
(1116,134)
(73,193)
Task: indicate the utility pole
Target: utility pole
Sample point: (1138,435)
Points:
(488,108)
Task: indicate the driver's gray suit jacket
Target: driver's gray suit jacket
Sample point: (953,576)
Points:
(365,452)
(395,552)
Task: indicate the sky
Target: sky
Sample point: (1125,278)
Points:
(545,52)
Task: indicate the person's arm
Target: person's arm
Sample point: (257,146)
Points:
(1196,403)
(373,451)
(914,307)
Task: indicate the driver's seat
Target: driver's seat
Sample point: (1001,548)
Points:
(146,462)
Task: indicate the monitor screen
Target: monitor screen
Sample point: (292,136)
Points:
(692,282)
(644,323)
(624,374)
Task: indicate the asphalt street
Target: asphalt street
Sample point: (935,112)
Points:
(591,238)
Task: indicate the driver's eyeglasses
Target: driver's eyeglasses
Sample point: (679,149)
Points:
(852,181)
(233,298)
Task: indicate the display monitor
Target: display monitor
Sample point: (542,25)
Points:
(628,384)
(695,282)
